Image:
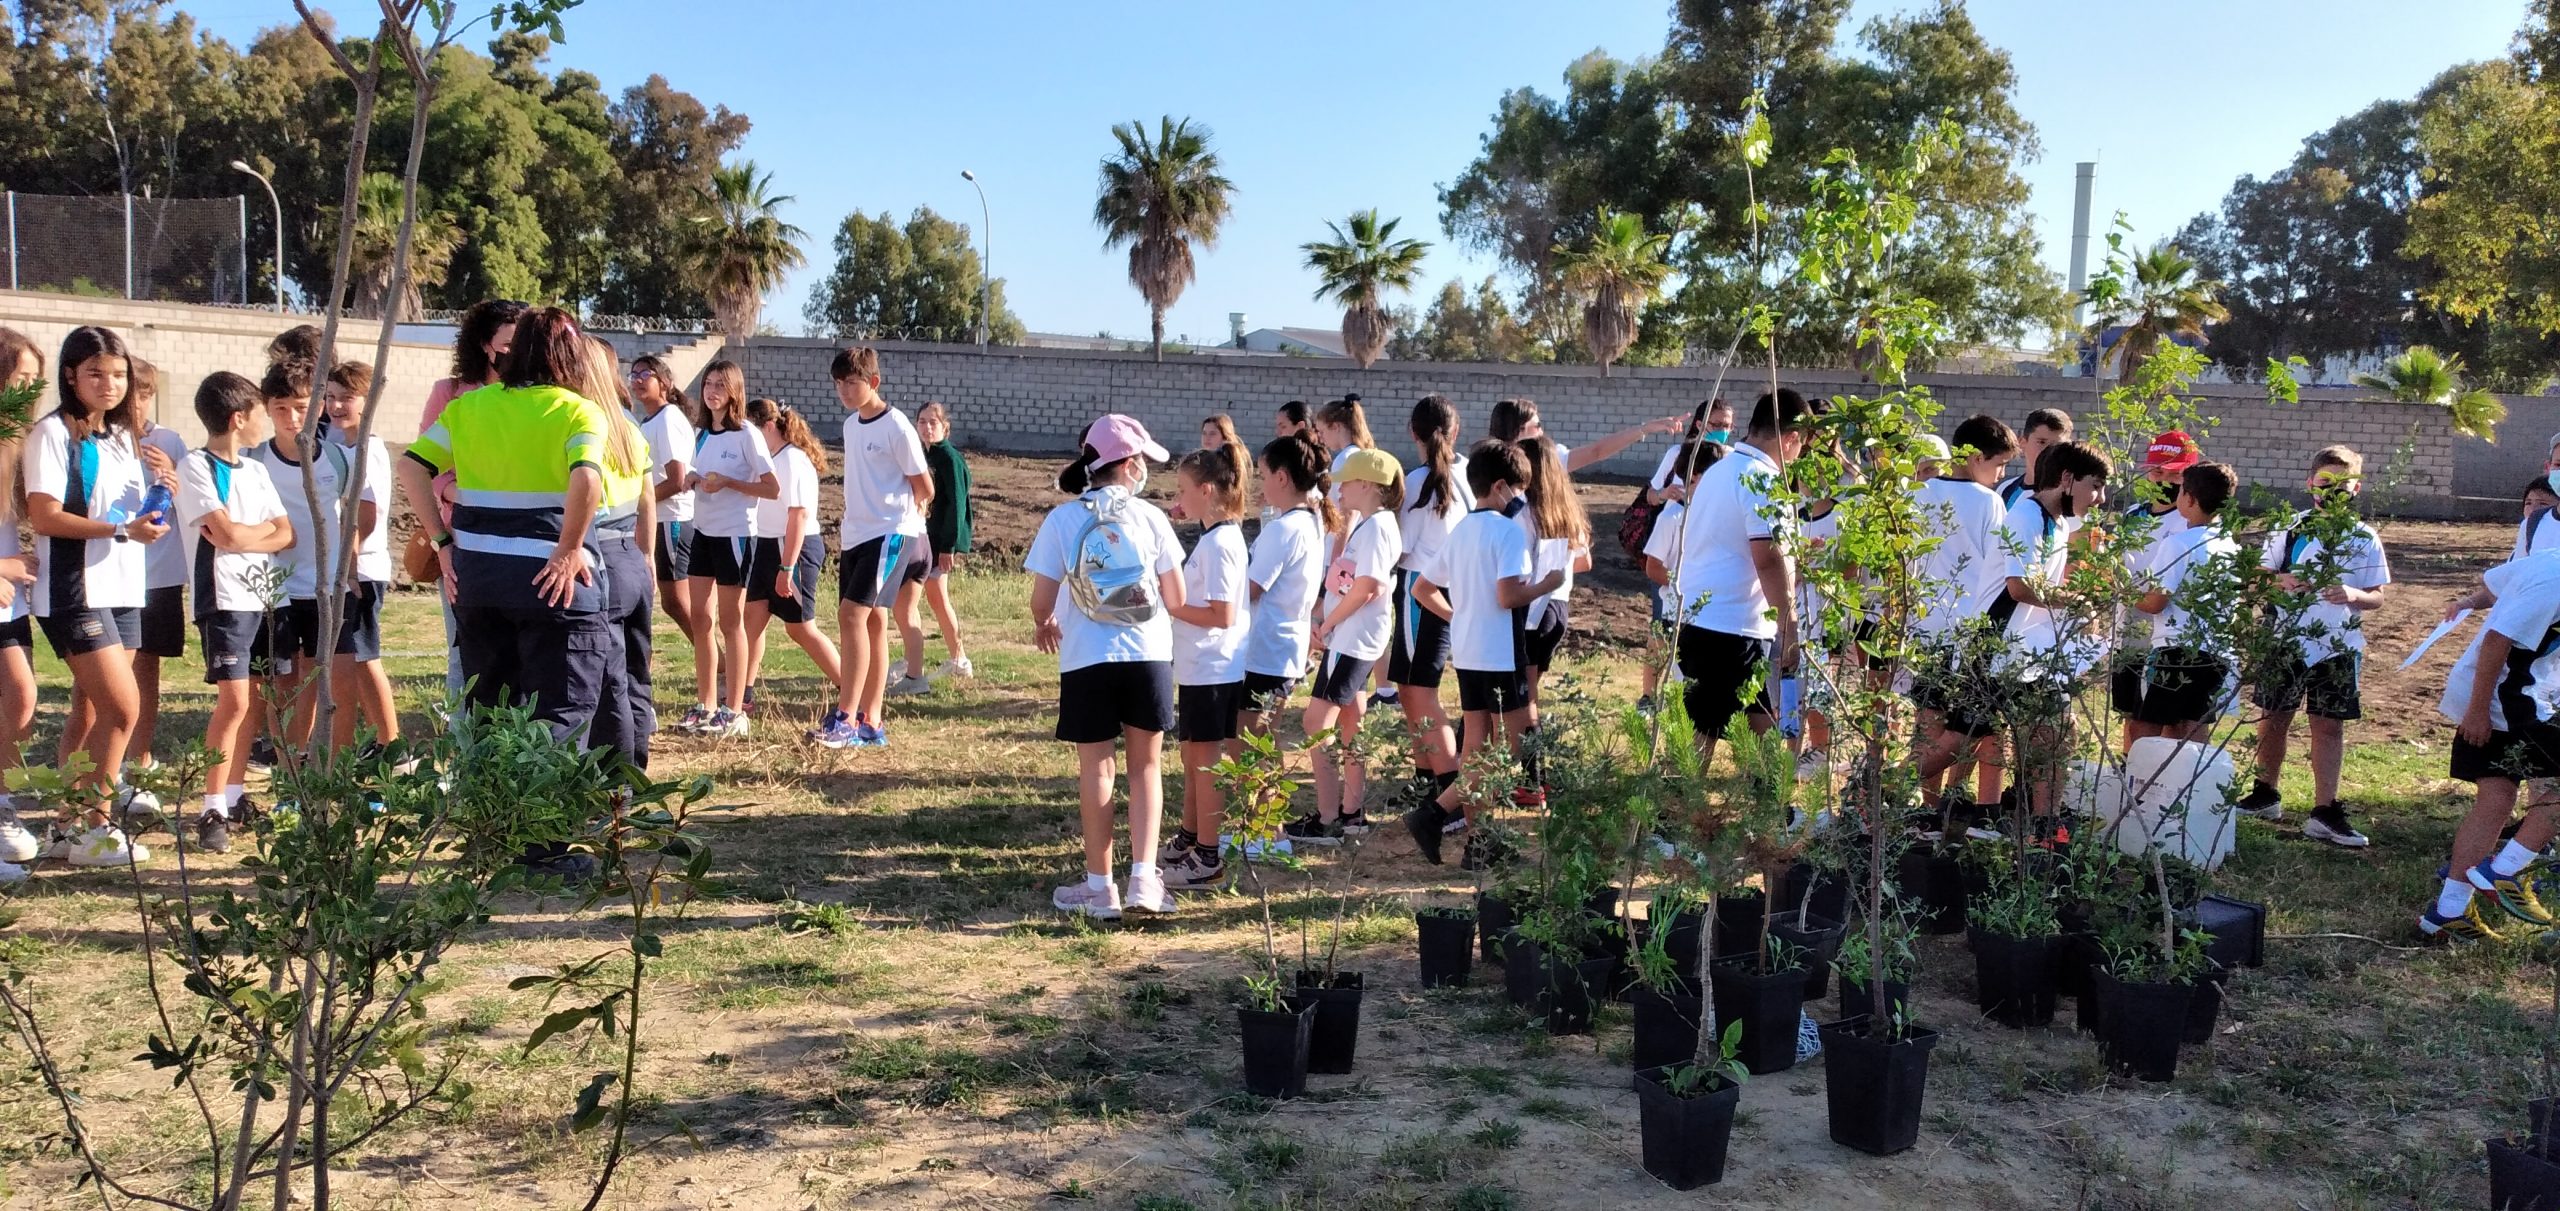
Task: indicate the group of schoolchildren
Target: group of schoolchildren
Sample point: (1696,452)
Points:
(136,537)
(739,543)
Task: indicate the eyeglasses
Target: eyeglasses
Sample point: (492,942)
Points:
(639,373)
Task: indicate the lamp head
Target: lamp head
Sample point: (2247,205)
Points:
(244,167)
(968,176)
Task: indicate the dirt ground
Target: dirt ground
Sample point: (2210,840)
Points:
(951,1043)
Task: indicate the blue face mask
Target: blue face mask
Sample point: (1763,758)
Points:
(2552,477)
(1721,437)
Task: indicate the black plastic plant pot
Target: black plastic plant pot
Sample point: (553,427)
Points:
(2545,1115)
(1619,950)
(1336,1036)
(1818,934)
(1448,948)
(1770,1007)
(1685,1137)
(1934,884)
(1602,903)
(1568,992)
(2521,1180)
(1520,963)
(2140,1026)
(2073,953)
(1275,1050)
(1830,891)
(2204,1009)
(1494,918)
(1738,919)
(1682,945)
(2238,929)
(1666,1024)
(1875,1085)
(2013,978)
(1855,1003)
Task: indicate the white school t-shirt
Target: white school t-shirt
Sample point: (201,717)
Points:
(164,563)
(1213,572)
(1728,509)
(97,573)
(332,470)
(879,454)
(1287,562)
(671,440)
(1485,550)
(2175,561)
(2035,547)
(1370,551)
(373,550)
(2527,612)
(1968,569)
(2359,564)
(21,596)
(797,477)
(1083,642)
(1423,530)
(226,580)
(736,454)
(1545,555)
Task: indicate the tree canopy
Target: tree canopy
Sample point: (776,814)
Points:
(917,282)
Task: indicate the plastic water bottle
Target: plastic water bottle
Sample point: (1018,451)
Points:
(1790,706)
(158,503)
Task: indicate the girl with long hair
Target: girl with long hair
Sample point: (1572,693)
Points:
(1208,659)
(626,520)
(84,486)
(1357,625)
(21,366)
(947,532)
(1435,498)
(1285,573)
(1559,534)
(1115,674)
(790,550)
(672,426)
(1294,419)
(480,345)
(1516,420)
(1218,432)
(164,572)
(732,470)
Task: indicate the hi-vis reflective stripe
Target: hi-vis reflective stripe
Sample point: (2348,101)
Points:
(497,544)
(491,498)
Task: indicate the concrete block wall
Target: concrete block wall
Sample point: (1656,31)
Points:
(1038,401)
(188,342)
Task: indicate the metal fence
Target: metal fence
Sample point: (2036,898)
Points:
(184,250)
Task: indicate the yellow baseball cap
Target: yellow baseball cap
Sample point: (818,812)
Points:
(1372,466)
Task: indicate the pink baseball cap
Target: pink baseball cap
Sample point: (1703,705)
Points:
(1118,436)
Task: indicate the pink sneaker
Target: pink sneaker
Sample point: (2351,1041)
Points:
(1147,895)
(1076,898)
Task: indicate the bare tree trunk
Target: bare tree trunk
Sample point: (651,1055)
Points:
(1156,321)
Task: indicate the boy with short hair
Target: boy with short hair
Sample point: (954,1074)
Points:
(360,675)
(2495,696)
(1737,584)
(2044,429)
(2347,574)
(1967,569)
(233,524)
(1479,581)
(2540,529)
(2149,523)
(2185,678)
(887,485)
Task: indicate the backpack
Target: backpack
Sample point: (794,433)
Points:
(1107,573)
(1635,528)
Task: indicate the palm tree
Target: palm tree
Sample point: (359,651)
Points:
(2420,375)
(2166,299)
(1616,271)
(1355,267)
(1158,197)
(376,236)
(747,247)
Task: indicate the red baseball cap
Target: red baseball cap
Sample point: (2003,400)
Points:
(2172,451)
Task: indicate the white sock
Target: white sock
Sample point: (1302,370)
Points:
(1094,882)
(214,803)
(233,794)
(1141,870)
(2512,859)
(2454,899)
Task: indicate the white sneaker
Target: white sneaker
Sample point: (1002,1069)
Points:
(11,872)
(957,666)
(140,809)
(1076,899)
(16,843)
(106,845)
(1148,895)
(728,724)
(909,686)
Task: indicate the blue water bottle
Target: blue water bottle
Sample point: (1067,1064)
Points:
(157,504)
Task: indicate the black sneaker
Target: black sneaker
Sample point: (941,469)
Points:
(262,754)
(247,810)
(1424,823)
(1311,829)
(569,868)
(1352,824)
(2328,822)
(2262,801)
(212,833)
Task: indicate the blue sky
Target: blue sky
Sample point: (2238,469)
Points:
(1323,107)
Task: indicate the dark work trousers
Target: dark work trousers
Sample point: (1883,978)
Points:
(626,716)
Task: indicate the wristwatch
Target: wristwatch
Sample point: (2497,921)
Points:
(121,536)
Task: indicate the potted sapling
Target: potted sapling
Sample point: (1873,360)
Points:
(2013,930)
(1447,934)
(1685,1110)
(2143,990)
(1665,995)
(1762,987)
(1276,1032)
(1336,994)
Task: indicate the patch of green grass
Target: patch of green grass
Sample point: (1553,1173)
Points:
(1271,1153)
(1495,1134)
(1483,1198)
(1552,1109)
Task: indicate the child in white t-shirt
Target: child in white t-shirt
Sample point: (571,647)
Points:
(1481,583)
(1286,574)
(360,671)
(1358,622)
(782,574)
(1106,573)
(1559,535)
(730,472)
(1208,658)
(232,524)
(2186,681)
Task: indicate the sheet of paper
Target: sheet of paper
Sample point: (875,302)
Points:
(2442,629)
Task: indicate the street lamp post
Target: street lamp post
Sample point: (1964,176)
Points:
(986,257)
(279,209)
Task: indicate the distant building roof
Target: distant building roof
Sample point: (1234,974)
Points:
(1321,342)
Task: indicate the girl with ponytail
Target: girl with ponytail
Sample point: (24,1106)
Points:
(1559,534)
(1209,631)
(1284,571)
(1435,497)
(790,547)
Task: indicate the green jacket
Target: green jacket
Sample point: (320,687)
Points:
(947,525)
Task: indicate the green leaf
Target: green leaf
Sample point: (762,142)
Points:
(559,1020)
(591,1108)
(647,946)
